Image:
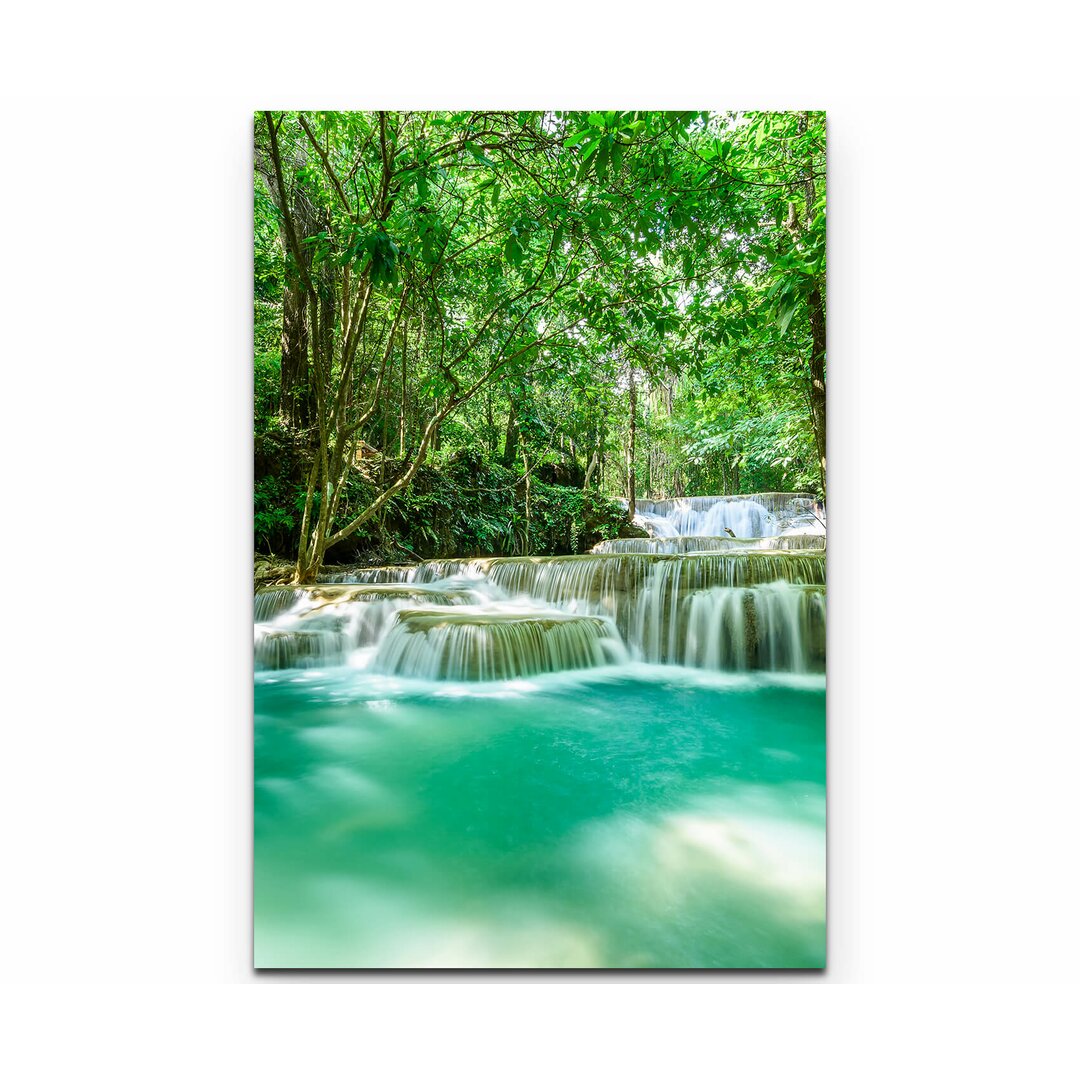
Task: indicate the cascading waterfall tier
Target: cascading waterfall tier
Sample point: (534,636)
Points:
(375,575)
(480,644)
(269,603)
(565,578)
(295,648)
(685,545)
(777,627)
(776,502)
(766,514)
(280,599)
(321,625)
(651,599)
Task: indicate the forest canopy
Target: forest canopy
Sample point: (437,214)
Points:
(476,330)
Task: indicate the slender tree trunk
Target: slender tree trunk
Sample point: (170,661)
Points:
(326,342)
(492,431)
(404,383)
(510,446)
(631,448)
(593,462)
(385,434)
(597,454)
(294,404)
(528,501)
(816,304)
(817,377)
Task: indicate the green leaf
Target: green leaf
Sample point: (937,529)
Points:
(514,251)
(602,160)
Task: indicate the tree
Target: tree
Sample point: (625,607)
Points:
(479,279)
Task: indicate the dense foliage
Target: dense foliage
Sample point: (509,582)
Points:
(465,505)
(474,330)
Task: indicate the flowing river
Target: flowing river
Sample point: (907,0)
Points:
(609,760)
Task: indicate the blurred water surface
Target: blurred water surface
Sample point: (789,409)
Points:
(633,816)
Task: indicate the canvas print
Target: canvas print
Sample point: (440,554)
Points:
(539,532)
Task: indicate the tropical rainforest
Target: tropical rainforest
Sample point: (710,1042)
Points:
(494,332)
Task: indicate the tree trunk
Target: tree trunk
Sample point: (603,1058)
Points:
(631,480)
(294,404)
(326,343)
(402,413)
(528,501)
(593,462)
(816,304)
(817,377)
(597,455)
(511,444)
(492,429)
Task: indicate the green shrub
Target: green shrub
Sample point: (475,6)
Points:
(464,505)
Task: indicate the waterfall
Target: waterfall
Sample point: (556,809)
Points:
(755,601)
(765,514)
(651,598)
(292,648)
(480,644)
(324,624)
(790,627)
(775,627)
(706,517)
(563,579)
(376,575)
(273,602)
(684,545)
(442,569)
